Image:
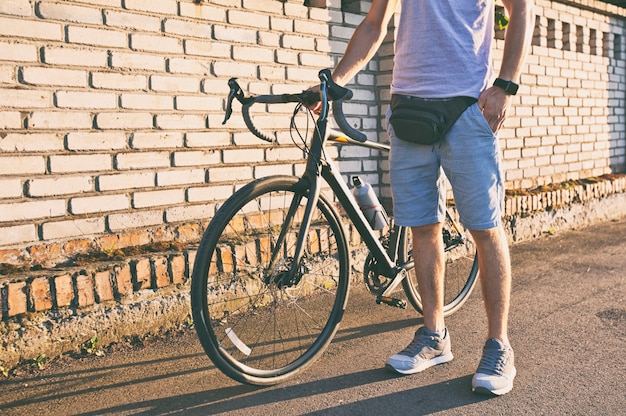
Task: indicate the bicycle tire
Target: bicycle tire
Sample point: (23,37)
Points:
(461,269)
(255,329)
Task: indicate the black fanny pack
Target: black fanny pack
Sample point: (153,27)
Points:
(424,121)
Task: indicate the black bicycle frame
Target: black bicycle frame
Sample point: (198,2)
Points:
(319,167)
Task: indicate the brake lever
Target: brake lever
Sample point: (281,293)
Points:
(235,92)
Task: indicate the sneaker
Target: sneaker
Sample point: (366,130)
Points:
(426,350)
(496,370)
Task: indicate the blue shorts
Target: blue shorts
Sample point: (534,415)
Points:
(470,158)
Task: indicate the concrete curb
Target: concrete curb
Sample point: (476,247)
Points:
(526,227)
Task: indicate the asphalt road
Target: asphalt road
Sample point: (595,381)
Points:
(568,329)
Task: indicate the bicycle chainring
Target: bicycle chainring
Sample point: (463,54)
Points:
(375,283)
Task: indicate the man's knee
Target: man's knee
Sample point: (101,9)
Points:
(427,231)
(490,234)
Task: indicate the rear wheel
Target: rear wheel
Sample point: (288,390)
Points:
(461,267)
(257,323)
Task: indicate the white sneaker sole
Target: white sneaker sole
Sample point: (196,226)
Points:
(442,359)
(484,387)
(487,392)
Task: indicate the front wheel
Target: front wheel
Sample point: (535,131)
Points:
(258,323)
(461,267)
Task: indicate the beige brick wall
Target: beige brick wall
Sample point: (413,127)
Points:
(111,110)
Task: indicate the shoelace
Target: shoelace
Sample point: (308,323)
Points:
(493,362)
(417,344)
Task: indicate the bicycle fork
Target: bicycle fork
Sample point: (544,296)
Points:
(292,275)
(309,182)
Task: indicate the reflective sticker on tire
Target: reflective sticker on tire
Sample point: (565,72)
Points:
(238,343)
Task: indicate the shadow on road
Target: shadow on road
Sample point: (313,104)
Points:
(51,386)
(240,399)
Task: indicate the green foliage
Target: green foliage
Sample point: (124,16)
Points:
(502,20)
(91,347)
(112,251)
(39,362)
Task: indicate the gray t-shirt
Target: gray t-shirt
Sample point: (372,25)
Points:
(443,48)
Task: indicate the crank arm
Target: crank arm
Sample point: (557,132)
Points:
(386,297)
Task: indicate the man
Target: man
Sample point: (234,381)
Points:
(443,50)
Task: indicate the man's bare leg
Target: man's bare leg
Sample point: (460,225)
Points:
(429,269)
(495,277)
(431,343)
(496,370)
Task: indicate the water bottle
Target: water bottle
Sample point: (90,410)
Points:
(368,202)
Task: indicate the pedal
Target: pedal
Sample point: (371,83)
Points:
(396,303)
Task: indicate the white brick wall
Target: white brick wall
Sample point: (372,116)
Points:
(97,204)
(112,110)
(58,186)
(123,181)
(72,228)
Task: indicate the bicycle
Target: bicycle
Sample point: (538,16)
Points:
(271,276)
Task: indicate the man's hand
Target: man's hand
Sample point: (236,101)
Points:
(494,102)
(317,106)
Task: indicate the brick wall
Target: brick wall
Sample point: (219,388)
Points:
(111,110)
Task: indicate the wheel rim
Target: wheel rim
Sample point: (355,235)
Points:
(264,327)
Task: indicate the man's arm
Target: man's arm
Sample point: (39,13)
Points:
(365,40)
(518,36)
(494,101)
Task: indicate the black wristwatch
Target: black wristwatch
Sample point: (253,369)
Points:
(508,86)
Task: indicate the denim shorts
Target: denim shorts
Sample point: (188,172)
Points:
(470,158)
